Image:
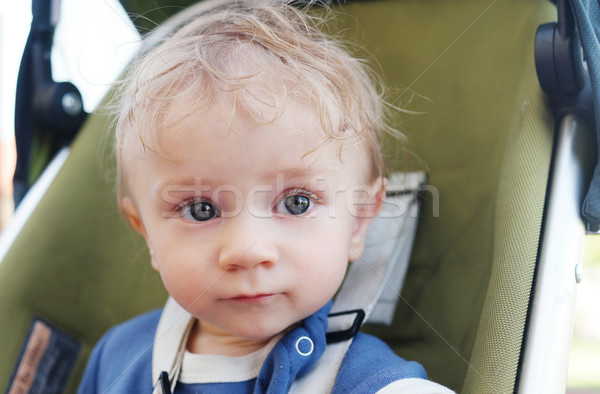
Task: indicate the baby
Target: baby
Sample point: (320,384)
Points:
(249,159)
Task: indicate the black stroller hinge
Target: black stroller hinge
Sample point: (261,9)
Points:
(560,65)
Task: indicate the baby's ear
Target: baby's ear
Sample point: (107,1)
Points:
(130,211)
(366,211)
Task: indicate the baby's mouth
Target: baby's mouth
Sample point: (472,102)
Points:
(254,298)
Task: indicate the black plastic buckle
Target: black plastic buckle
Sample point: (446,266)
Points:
(344,335)
(164,385)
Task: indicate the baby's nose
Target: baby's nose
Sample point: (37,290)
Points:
(246,244)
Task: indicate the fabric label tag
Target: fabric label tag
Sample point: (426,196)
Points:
(46,360)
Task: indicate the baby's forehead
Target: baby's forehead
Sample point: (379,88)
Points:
(254,107)
(262,103)
(222,133)
(248,117)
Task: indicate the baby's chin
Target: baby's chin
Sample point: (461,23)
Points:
(259,332)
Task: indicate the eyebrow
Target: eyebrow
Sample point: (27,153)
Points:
(287,173)
(300,172)
(168,186)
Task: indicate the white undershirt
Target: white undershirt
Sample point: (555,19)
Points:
(214,368)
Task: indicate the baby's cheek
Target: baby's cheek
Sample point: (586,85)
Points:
(327,278)
(177,280)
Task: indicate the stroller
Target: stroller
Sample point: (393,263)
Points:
(508,146)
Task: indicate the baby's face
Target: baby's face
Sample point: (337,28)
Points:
(251,224)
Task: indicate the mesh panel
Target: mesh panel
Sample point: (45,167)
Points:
(518,224)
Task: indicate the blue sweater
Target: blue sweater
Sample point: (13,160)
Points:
(122,362)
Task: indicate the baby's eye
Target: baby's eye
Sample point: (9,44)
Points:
(199,211)
(295,204)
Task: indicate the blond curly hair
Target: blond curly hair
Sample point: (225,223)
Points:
(238,53)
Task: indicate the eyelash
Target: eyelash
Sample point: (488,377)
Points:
(184,208)
(302,192)
(312,197)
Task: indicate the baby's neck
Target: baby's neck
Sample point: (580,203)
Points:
(208,339)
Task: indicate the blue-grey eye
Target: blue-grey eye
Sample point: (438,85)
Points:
(296,204)
(200,211)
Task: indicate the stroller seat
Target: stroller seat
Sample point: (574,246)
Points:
(480,127)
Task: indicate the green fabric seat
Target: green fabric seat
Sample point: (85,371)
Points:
(483,133)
